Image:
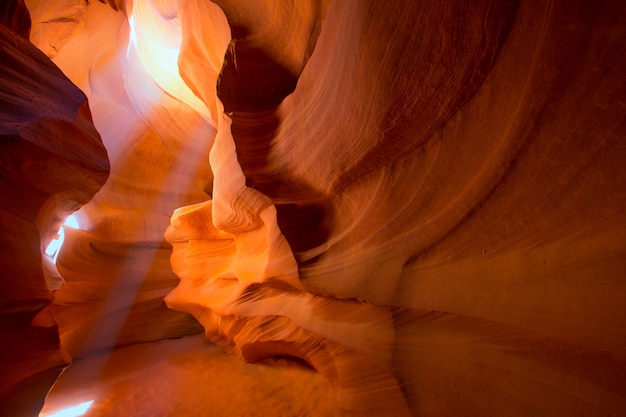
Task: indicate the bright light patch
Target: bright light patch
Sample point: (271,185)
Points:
(71,222)
(53,248)
(156,40)
(55,245)
(74,411)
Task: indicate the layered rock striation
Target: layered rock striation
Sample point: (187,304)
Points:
(52,161)
(457,168)
(423,203)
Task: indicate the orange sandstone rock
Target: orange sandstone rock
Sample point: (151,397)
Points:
(423,202)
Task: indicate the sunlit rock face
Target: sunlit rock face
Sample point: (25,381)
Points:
(240,280)
(52,161)
(422,202)
(158,134)
(459,166)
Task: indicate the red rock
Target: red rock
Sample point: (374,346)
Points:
(52,161)
(422,202)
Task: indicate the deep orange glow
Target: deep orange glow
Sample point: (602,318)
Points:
(156,40)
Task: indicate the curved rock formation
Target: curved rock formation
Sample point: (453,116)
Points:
(443,172)
(158,135)
(510,175)
(424,203)
(240,280)
(52,161)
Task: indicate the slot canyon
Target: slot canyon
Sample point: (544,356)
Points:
(312,208)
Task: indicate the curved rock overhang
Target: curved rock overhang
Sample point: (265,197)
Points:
(422,202)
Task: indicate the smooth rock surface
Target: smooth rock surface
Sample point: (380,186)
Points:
(158,144)
(52,161)
(422,202)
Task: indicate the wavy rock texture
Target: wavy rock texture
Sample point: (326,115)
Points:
(158,135)
(240,280)
(459,165)
(423,202)
(52,161)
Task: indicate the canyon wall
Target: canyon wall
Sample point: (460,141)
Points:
(422,202)
(52,161)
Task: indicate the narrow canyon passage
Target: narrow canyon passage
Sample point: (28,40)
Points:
(313,208)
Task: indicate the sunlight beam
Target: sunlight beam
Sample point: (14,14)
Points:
(74,411)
